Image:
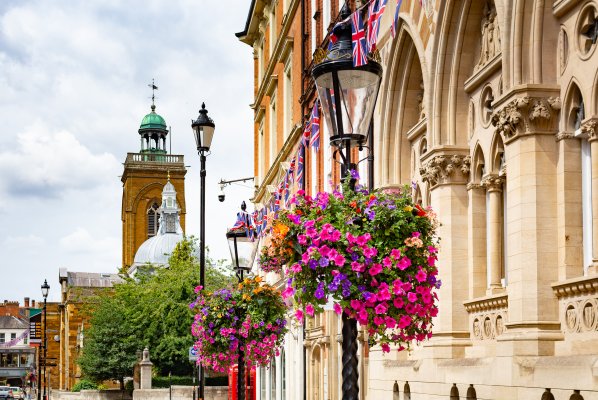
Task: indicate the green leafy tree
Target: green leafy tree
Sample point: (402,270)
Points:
(155,312)
(110,343)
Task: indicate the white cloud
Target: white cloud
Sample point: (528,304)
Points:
(81,241)
(47,164)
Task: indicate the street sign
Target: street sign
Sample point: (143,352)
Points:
(192,354)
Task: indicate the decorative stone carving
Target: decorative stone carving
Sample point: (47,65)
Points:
(421,107)
(442,168)
(490,36)
(579,304)
(493,182)
(488,316)
(563,49)
(527,115)
(589,128)
(563,135)
(474,186)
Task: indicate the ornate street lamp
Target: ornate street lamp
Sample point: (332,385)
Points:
(348,95)
(203,130)
(45,291)
(243,249)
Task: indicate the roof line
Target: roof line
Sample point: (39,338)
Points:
(244,32)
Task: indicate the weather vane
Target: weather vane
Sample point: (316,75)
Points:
(154,87)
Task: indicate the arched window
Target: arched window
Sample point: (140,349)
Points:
(273,379)
(153,220)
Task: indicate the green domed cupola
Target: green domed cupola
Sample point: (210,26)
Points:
(153,133)
(152,121)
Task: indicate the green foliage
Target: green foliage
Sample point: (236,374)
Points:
(150,311)
(84,384)
(163,382)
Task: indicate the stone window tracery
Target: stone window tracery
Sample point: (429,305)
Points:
(153,220)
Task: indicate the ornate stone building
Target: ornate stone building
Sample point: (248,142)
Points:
(144,176)
(490,109)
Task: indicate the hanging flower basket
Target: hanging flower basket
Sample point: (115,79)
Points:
(373,255)
(249,316)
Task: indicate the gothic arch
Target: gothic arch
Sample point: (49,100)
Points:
(458,29)
(142,193)
(403,79)
(478,164)
(497,154)
(573,99)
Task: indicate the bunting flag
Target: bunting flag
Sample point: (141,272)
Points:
(333,38)
(244,223)
(376,10)
(395,21)
(15,341)
(315,127)
(264,219)
(358,40)
(300,165)
(306,133)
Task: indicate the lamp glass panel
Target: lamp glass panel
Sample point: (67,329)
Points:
(358,91)
(246,251)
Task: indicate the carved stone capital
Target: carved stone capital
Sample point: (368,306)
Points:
(493,183)
(474,186)
(443,169)
(527,115)
(563,136)
(590,129)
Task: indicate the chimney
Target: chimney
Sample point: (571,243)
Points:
(26,302)
(32,303)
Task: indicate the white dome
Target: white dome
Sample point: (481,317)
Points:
(156,250)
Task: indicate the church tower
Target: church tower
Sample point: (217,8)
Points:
(144,177)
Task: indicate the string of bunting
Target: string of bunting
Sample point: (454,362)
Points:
(13,342)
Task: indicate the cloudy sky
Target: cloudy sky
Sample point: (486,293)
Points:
(73,90)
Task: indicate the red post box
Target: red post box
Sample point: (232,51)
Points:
(233,373)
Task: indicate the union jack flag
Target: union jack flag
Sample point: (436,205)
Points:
(244,223)
(315,127)
(264,219)
(376,9)
(257,222)
(395,21)
(333,38)
(307,133)
(358,40)
(300,166)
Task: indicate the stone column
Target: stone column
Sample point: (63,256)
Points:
(589,127)
(477,259)
(493,184)
(146,370)
(447,174)
(527,119)
(569,204)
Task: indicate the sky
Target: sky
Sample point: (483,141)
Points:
(74,81)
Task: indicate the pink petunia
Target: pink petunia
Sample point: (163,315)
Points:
(404,322)
(390,322)
(421,276)
(378,320)
(385,348)
(296,268)
(375,269)
(381,308)
(299,315)
(339,260)
(387,262)
(398,302)
(362,316)
(337,308)
(356,305)
(357,267)
(412,297)
(370,252)
(395,253)
(431,261)
(404,263)
(288,292)
(302,239)
(309,310)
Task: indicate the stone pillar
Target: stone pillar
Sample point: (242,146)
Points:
(146,371)
(569,204)
(476,248)
(589,127)
(527,117)
(447,174)
(493,184)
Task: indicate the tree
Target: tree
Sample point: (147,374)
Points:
(110,343)
(153,312)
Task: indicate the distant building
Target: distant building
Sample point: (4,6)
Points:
(16,357)
(76,289)
(144,176)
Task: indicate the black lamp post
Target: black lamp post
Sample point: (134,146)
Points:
(203,130)
(45,290)
(348,95)
(242,252)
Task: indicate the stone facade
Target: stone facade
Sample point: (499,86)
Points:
(490,109)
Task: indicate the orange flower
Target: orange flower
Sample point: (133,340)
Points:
(281,230)
(353,204)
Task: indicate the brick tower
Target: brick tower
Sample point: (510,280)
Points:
(144,177)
